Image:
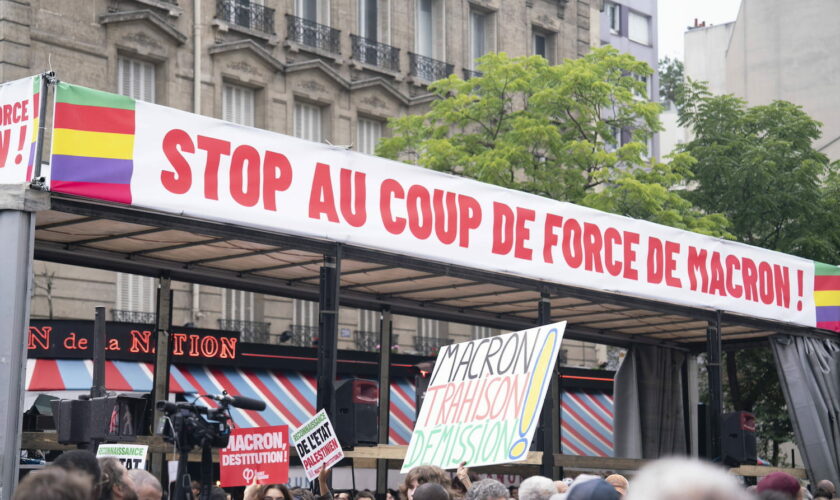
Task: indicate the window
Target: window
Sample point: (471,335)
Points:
(238,105)
(369,133)
(543,45)
(638,28)
(646,80)
(540,45)
(136,79)
(136,293)
(614,17)
(425,30)
(613,142)
(369,19)
(431,328)
(368,320)
(308,122)
(307,9)
(305,313)
(482,332)
(237,305)
(478,36)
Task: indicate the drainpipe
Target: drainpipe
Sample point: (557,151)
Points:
(196,306)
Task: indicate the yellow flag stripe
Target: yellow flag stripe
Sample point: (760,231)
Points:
(96,144)
(827,297)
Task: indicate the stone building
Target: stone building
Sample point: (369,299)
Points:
(324,70)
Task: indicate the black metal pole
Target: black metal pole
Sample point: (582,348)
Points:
(550,418)
(160,382)
(328,304)
(97,388)
(385,329)
(713,350)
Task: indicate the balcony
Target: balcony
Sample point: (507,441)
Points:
(244,14)
(312,34)
(303,335)
(429,346)
(369,341)
(122,316)
(375,54)
(468,74)
(427,68)
(250,331)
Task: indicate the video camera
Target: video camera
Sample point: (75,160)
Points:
(191,425)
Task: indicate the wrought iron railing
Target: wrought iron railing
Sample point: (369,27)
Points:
(312,34)
(303,335)
(468,73)
(427,68)
(246,14)
(250,331)
(429,346)
(123,316)
(369,341)
(375,53)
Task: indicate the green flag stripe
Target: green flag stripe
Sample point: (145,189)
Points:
(821,269)
(75,94)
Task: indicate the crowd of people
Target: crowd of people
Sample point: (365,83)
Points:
(79,475)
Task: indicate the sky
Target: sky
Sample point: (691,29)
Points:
(676,15)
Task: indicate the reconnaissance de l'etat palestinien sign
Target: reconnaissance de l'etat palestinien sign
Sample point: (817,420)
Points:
(484,399)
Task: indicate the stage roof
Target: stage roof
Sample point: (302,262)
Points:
(121,238)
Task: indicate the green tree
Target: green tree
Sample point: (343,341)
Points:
(671,76)
(554,131)
(758,167)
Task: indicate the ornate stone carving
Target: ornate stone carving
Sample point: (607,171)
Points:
(244,67)
(142,38)
(313,86)
(374,101)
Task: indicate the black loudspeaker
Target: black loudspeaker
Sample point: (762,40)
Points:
(738,438)
(357,412)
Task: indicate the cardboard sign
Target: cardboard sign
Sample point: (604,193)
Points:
(151,156)
(259,453)
(484,399)
(317,445)
(19,107)
(133,456)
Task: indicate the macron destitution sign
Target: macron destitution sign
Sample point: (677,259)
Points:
(317,445)
(484,399)
(111,147)
(258,454)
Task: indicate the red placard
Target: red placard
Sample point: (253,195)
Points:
(259,453)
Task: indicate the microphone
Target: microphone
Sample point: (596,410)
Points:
(239,401)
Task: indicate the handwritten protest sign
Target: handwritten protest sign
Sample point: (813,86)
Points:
(484,399)
(133,456)
(260,453)
(317,445)
(18,128)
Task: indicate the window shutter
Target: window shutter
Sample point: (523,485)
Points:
(238,104)
(369,134)
(638,28)
(307,122)
(136,79)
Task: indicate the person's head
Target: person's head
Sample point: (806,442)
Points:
(824,489)
(487,489)
(342,495)
(536,488)
(81,462)
(195,486)
(423,474)
(561,486)
(782,482)
(593,489)
(115,483)
(513,492)
(217,493)
(53,483)
(684,478)
(146,485)
(301,494)
(273,492)
(618,482)
(391,494)
(431,491)
(365,495)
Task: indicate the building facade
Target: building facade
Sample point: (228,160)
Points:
(324,70)
(631,27)
(775,50)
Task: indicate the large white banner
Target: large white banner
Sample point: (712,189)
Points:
(18,129)
(182,163)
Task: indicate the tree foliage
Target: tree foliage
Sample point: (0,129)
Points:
(554,131)
(671,75)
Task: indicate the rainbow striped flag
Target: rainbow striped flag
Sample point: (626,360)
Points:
(827,296)
(93,143)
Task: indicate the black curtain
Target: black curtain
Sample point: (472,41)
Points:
(649,410)
(809,373)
